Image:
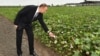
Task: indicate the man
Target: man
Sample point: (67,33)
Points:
(24,20)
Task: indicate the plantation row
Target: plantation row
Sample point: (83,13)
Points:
(77,29)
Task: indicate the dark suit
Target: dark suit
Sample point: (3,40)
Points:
(24,20)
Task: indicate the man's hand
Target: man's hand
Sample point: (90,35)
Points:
(15,26)
(51,35)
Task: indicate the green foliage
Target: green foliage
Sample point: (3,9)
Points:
(77,29)
(9,12)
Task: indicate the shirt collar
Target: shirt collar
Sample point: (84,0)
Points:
(37,11)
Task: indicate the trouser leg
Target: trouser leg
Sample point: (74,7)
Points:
(19,32)
(30,35)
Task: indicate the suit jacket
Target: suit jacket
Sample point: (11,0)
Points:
(25,17)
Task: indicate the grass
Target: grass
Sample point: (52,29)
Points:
(9,12)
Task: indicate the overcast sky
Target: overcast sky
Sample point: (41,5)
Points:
(37,2)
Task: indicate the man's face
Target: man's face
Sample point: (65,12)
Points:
(44,9)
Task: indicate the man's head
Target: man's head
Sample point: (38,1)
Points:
(43,8)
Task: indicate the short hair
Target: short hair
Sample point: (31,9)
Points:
(43,5)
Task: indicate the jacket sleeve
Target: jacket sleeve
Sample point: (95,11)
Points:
(41,21)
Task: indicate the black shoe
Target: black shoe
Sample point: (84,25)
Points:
(19,54)
(31,55)
(35,54)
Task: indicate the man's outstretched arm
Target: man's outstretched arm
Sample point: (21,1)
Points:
(41,21)
(44,26)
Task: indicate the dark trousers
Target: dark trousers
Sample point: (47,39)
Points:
(19,33)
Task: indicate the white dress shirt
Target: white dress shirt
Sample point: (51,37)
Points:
(36,13)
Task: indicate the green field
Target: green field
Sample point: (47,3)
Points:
(77,29)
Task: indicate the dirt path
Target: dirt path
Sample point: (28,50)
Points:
(8,40)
